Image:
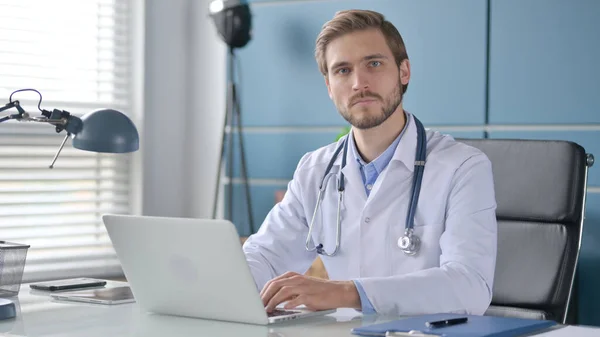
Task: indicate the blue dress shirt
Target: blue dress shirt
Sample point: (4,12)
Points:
(369,173)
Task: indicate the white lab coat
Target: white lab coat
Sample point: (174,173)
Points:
(455,220)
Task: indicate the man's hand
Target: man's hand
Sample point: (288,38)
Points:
(314,293)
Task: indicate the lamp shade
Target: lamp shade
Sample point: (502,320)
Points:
(107,130)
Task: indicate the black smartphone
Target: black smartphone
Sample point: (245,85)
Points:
(74,283)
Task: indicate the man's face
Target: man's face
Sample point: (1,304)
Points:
(363,79)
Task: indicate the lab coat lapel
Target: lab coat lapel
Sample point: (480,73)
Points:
(354,183)
(407,148)
(404,155)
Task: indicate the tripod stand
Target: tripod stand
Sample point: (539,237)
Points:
(232,120)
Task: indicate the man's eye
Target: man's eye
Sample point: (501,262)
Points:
(343,71)
(375,64)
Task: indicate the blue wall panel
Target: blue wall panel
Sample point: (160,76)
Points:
(587,139)
(544,61)
(446,43)
(589,262)
(275,155)
(270,2)
(263,199)
(465,134)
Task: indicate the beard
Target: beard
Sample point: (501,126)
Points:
(366,120)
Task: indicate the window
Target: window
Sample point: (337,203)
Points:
(77,54)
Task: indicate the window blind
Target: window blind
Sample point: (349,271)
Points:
(77,54)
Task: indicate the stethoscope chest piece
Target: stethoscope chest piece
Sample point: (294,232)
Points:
(409,243)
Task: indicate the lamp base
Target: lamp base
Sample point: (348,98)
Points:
(7,309)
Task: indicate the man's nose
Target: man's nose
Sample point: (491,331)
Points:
(361,81)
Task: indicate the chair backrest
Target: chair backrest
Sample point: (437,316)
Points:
(540,191)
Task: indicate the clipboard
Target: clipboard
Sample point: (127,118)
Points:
(480,326)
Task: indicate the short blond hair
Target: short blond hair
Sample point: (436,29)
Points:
(348,21)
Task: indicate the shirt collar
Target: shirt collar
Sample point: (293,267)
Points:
(383,159)
(405,151)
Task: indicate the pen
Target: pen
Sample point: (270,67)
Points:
(446,322)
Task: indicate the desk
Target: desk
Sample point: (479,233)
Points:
(39,315)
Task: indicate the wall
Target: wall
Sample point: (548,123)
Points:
(184,104)
(498,69)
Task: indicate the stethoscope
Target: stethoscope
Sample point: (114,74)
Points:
(409,242)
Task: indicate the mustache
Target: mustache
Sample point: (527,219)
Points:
(363,95)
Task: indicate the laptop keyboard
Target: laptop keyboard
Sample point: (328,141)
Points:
(278,312)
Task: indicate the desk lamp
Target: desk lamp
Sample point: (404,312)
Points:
(103,130)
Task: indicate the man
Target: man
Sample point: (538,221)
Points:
(366,69)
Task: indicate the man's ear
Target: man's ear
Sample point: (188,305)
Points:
(405,72)
(328,87)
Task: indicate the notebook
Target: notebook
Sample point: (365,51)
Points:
(116,295)
(480,326)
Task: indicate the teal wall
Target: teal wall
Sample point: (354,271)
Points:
(497,68)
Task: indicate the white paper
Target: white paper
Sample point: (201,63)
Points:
(572,331)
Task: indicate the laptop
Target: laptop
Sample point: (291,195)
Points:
(192,268)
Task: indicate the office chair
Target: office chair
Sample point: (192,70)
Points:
(540,192)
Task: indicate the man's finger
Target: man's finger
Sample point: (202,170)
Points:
(296,301)
(270,291)
(276,285)
(280,277)
(284,294)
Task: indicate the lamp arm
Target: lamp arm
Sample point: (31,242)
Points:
(10,105)
(61,119)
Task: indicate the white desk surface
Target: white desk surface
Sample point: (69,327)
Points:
(39,315)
